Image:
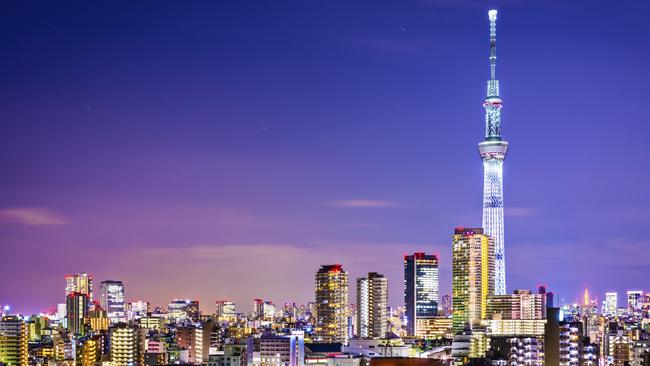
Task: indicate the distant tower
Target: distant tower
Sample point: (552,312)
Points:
(493,151)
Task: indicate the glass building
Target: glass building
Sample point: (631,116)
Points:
(420,288)
(112,300)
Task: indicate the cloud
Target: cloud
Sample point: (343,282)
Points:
(364,203)
(520,211)
(33,216)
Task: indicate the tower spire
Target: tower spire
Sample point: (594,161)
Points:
(492,14)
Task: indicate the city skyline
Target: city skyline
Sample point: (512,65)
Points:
(348,143)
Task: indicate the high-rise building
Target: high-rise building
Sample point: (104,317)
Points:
(372,306)
(493,151)
(126,345)
(472,275)
(263,310)
(77,312)
(610,305)
(183,310)
(332,304)
(13,341)
(79,282)
(634,300)
(112,300)
(420,289)
(225,310)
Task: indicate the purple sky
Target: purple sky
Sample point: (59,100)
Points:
(226,149)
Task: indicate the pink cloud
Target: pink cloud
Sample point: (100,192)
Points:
(364,203)
(33,216)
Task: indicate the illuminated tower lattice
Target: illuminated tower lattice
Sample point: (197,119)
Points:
(493,151)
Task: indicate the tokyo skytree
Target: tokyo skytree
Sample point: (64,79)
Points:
(493,151)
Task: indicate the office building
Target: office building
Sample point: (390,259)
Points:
(472,276)
(610,306)
(331,304)
(283,350)
(263,310)
(112,300)
(420,289)
(372,306)
(81,283)
(226,310)
(634,300)
(183,310)
(77,312)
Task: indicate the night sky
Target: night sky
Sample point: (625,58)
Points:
(225,149)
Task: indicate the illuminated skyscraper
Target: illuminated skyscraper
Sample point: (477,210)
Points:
(634,300)
(493,151)
(13,341)
(420,289)
(79,282)
(77,312)
(332,304)
(372,306)
(611,303)
(112,300)
(472,275)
